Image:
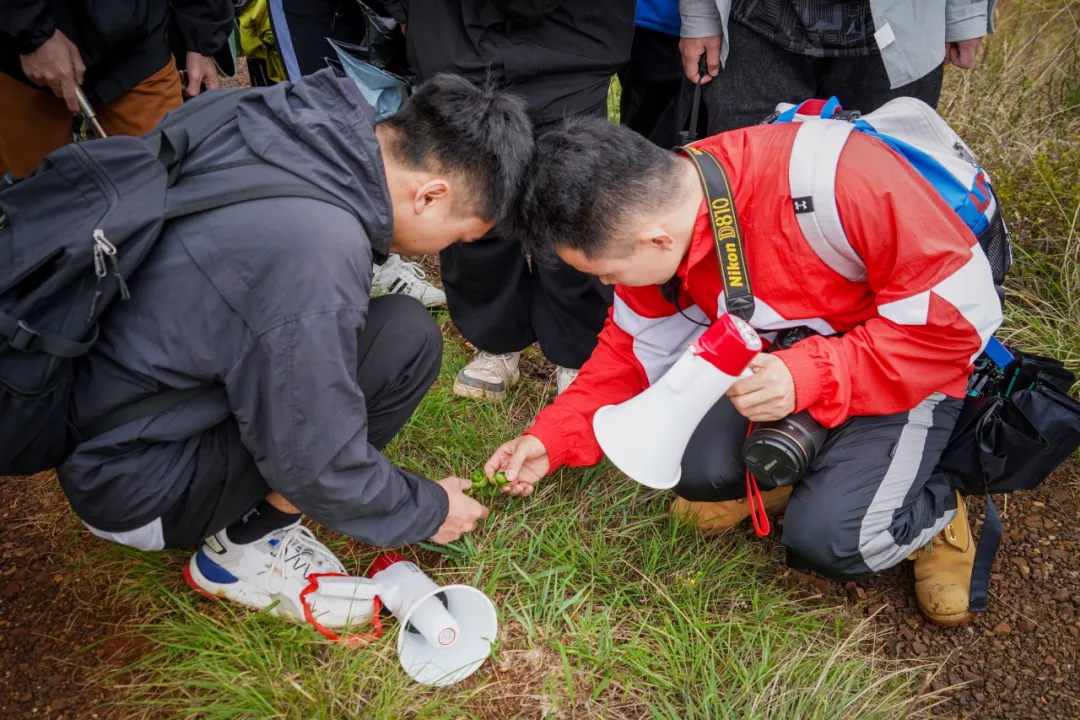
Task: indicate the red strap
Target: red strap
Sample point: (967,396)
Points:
(350,640)
(753,499)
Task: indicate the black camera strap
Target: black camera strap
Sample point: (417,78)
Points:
(727,233)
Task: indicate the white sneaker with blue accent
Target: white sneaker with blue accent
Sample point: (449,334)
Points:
(274,569)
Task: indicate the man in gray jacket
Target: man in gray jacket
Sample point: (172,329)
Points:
(759,53)
(259,312)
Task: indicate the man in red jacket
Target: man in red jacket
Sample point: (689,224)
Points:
(900,307)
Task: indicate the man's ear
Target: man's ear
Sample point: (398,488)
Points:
(429,192)
(656,238)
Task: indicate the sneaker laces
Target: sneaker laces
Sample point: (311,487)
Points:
(497,364)
(414,268)
(298,550)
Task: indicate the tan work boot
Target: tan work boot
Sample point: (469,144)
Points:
(943,572)
(716,518)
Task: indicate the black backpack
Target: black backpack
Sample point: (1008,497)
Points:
(71,234)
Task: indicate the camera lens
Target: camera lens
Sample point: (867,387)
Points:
(778,453)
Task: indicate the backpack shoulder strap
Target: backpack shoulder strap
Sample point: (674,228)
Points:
(256,192)
(727,232)
(215,110)
(812,178)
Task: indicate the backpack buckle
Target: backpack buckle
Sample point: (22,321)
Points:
(25,338)
(847,115)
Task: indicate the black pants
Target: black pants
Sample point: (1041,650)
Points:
(399,354)
(758,75)
(502,304)
(656,96)
(870,497)
(302,27)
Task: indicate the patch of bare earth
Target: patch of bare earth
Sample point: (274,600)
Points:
(1019,659)
(57,633)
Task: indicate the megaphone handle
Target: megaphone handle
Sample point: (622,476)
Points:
(753,499)
(350,640)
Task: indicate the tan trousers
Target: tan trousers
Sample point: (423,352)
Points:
(34,122)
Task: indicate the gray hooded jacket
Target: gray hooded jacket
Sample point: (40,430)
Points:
(262,303)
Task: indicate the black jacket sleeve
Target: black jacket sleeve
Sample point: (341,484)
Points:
(26,23)
(204,25)
(303,417)
(398,9)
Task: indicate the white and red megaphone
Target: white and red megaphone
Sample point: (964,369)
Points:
(446,632)
(647,435)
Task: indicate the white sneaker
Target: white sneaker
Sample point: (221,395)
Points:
(563,377)
(274,569)
(405,278)
(488,376)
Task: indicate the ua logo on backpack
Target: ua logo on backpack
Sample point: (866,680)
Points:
(915,131)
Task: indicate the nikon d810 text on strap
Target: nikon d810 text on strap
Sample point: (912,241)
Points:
(727,233)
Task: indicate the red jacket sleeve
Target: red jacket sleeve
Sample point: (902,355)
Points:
(615,372)
(935,297)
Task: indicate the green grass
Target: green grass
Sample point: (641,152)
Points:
(1021,114)
(608,608)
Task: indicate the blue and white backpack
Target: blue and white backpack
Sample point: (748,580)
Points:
(923,138)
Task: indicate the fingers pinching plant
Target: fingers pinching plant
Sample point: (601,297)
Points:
(480,481)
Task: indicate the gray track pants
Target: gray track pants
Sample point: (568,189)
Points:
(869,499)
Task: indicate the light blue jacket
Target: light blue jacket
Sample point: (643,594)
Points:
(911,34)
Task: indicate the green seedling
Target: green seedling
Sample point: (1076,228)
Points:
(479,480)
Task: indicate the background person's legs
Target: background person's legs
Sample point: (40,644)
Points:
(489,293)
(140,109)
(757,76)
(34,122)
(502,305)
(302,27)
(656,96)
(862,84)
(569,307)
(871,496)
(568,311)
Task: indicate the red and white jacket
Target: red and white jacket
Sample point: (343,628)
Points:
(919,306)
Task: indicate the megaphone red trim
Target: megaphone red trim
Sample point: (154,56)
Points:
(350,640)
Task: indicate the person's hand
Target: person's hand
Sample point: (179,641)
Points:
(56,64)
(692,49)
(524,460)
(962,53)
(463,513)
(769,394)
(201,72)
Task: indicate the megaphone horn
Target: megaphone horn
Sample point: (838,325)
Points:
(447,632)
(646,436)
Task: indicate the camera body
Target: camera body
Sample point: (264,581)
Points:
(779,453)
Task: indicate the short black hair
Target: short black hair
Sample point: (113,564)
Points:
(588,177)
(483,134)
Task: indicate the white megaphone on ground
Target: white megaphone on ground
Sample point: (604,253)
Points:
(646,436)
(446,632)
